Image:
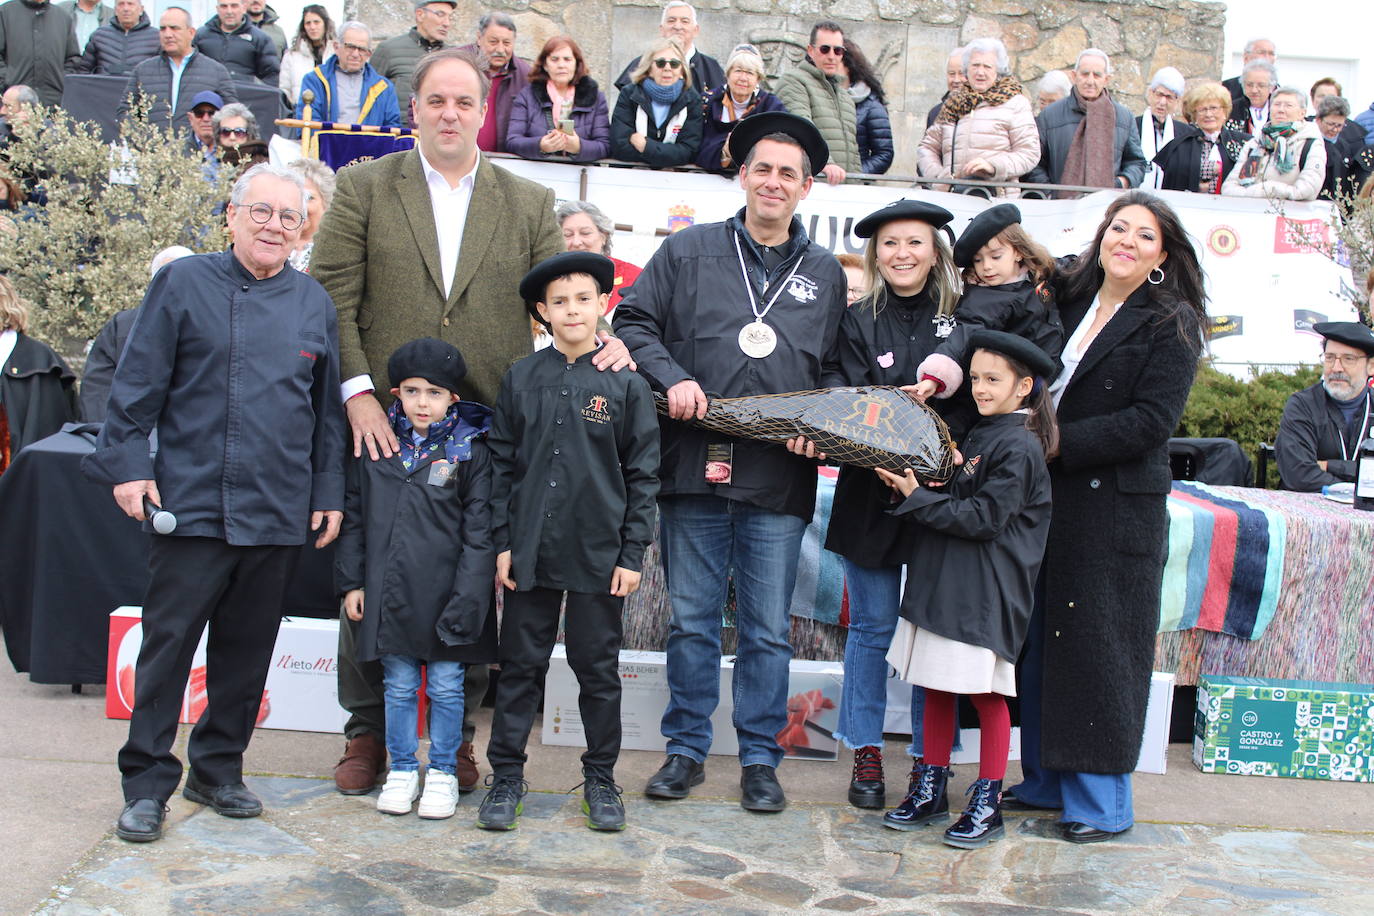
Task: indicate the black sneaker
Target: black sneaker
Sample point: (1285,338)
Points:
(502,807)
(602,804)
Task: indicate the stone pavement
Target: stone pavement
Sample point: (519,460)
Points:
(319,852)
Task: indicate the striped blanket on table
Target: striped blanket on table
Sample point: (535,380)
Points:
(1225,563)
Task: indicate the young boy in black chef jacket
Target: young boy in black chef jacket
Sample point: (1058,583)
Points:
(979,542)
(415,565)
(575,477)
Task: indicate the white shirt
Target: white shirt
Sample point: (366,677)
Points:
(450,207)
(7,341)
(1074,349)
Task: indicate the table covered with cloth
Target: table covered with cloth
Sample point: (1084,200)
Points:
(1266,583)
(69,556)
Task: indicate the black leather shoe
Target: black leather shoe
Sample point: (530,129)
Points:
(1075,832)
(676,777)
(141,820)
(981,822)
(925,800)
(759,789)
(1019,806)
(867,788)
(233,800)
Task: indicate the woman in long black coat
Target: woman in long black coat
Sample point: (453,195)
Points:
(1136,302)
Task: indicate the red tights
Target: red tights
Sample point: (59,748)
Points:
(993,720)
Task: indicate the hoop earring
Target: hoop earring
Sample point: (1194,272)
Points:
(1151,277)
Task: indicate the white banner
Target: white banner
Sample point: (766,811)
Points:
(1266,289)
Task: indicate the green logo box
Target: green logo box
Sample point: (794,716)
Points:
(1300,729)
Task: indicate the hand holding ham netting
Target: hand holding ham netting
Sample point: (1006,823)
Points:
(870,427)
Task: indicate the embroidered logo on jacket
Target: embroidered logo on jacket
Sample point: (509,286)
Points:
(803,289)
(971,464)
(596,411)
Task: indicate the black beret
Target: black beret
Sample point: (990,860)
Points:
(436,361)
(535,285)
(981,230)
(1350,333)
(754,128)
(1017,348)
(938,217)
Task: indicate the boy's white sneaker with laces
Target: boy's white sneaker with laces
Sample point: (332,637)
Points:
(441,795)
(401,789)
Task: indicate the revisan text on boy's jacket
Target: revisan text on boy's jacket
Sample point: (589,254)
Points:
(418,541)
(1023,308)
(575,472)
(980,539)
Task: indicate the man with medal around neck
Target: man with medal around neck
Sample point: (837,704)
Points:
(748,306)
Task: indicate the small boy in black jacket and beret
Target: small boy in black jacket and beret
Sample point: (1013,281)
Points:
(415,565)
(575,477)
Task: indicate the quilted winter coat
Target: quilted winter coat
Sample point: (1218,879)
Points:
(1005,135)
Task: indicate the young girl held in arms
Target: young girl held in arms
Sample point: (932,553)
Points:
(971,579)
(1006,277)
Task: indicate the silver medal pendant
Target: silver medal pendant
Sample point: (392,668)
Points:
(757,340)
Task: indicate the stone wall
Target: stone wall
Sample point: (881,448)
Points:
(907,40)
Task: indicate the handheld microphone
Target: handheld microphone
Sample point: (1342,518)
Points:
(163,521)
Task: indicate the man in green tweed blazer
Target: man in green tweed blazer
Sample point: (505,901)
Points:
(431,242)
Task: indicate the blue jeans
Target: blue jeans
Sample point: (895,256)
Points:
(1101,800)
(444,687)
(875,597)
(705,540)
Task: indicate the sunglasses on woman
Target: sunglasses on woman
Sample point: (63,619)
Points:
(233,131)
(668,63)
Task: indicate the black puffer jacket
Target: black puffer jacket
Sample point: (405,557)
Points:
(247,52)
(154,76)
(873,130)
(115,52)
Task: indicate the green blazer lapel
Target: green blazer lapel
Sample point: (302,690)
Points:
(484,214)
(413,192)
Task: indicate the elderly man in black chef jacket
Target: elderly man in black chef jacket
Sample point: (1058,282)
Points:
(744,307)
(1324,424)
(234,357)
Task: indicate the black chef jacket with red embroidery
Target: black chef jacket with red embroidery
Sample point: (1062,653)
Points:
(574,472)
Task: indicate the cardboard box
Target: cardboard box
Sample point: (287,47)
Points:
(813,706)
(1299,729)
(301,693)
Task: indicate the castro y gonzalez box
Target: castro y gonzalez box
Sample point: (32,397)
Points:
(1300,729)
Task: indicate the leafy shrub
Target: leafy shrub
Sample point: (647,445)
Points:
(1221,406)
(110,208)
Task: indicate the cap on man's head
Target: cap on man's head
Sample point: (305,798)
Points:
(207,97)
(420,4)
(1350,333)
(436,361)
(982,229)
(534,287)
(754,128)
(937,217)
(1018,348)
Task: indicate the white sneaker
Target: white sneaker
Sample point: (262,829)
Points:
(401,789)
(441,795)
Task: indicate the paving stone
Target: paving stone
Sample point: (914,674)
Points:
(990,908)
(1251,892)
(788,837)
(698,891)
(306,893)
(284,793)
(561,900)
(774,888)
(240,836)
(710,864)
(845,903)
(445,890)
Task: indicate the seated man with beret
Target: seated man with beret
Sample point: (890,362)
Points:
(1323,425)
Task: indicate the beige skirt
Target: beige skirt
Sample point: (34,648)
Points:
(927,660)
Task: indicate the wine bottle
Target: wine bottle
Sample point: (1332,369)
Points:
(1364,476)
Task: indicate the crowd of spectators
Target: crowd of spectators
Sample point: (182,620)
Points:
(676,105)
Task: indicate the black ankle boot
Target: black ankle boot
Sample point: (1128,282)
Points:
(925,799)
(866,787)
(981,822)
